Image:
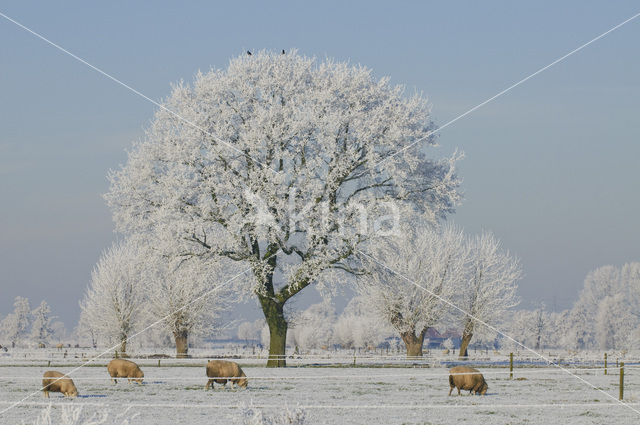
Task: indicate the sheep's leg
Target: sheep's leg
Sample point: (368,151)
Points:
(46,394)
(458,390)
(451,389)
(209,383)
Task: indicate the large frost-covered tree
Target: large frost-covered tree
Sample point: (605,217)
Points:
(489,289)
(430,257)
(178,293)
(41,329)
(16,325)
(273,163)
(114,302)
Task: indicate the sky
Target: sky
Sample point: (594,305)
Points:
(551,167)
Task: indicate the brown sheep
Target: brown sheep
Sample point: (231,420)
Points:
(467,378)
(224,371)
(57,382)
(59,346)
(120,368)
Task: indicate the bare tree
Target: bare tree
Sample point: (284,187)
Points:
(434,260)
(114,302)
(359,326)
(313,328)
(16,325)
(41,330)
(489,288)
(179,294)
(606,314)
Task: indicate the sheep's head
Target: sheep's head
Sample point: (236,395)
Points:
(483,388)
(139,375)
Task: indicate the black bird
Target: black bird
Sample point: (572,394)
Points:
(283,51)
(248,53)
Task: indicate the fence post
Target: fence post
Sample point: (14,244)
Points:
(510,365)
(158,362)
(605,363)
(621,380)
(49,363)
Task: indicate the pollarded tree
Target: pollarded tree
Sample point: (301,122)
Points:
(273,163)
(41,329)
(489,288)
(179,293)
(114,302)
(16,325)
(430,257)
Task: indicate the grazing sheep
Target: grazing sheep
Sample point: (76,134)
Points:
(225,371)
(120,368)
(467,378)
(57,382)
(60,347)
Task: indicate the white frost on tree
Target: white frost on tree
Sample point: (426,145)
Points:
(431,257)
(113,305)
(606,312)
(250,331)
(179,294)
(313,328)
(531,328)
(360,327)
(41,329)
(16,325)
(290,198)
(85,332)
(489,288)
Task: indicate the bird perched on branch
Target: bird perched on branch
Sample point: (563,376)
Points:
(283,51)
(248,53)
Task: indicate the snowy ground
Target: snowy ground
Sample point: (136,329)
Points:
(342,395)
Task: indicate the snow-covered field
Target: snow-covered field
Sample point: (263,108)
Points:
(342,395)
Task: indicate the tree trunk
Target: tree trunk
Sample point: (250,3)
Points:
(274,314)
(123,347)
(464,344)
(467,334)
(182,343)
(413,342)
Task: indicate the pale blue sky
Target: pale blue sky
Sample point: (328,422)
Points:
(551,167)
